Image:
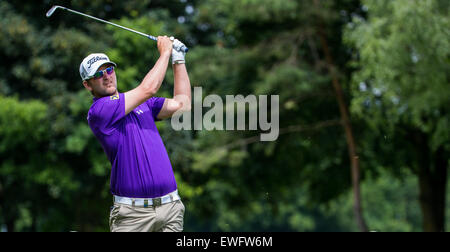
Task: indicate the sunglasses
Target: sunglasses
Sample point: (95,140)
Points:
(100,74)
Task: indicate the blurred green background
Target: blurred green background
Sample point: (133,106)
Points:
(383,64)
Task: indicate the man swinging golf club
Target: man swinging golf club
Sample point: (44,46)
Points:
(142,180)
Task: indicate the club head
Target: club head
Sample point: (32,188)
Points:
(53,9)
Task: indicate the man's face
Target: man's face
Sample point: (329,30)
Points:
(103,86)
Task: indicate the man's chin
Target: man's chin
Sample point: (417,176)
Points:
(112,92)
(108,92)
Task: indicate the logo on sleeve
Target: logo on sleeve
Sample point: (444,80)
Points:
(114,97)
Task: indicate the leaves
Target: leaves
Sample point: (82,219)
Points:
(392,58)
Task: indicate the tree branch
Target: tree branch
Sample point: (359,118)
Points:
(286,130)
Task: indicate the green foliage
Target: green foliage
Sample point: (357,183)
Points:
(404,48)
(392,58)
(22,124)
(403,57)
(401,89)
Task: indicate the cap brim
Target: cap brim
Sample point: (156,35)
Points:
(109,62)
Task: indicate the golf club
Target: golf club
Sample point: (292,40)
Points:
(55,7)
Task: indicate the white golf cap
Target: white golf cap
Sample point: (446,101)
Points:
(92,63)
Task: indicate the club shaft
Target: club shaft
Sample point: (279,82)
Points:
(55,7)
(106,22)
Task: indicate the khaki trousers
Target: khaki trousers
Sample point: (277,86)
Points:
(164,218)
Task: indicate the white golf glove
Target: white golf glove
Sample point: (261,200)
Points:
(177,56)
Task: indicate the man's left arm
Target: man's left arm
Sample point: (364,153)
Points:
(182,87)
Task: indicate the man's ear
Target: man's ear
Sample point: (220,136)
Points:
(87,86)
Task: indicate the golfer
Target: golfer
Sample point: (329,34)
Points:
(142,180)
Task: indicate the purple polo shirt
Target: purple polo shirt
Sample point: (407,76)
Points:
(140,165)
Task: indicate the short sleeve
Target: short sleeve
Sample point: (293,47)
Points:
(107,112)
(155,104)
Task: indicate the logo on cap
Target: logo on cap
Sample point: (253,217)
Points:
(95,59)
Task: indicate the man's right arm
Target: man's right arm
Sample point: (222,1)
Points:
(152,81)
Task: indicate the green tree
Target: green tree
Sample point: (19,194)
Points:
(401,91)
(54,175)
(273,48)
(60,181)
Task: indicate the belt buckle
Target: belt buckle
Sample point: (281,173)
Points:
(156,201)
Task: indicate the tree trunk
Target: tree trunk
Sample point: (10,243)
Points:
(432,185)
(351,145)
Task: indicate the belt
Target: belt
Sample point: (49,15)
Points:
(146,202)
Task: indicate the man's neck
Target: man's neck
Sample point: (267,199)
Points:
(98,97)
